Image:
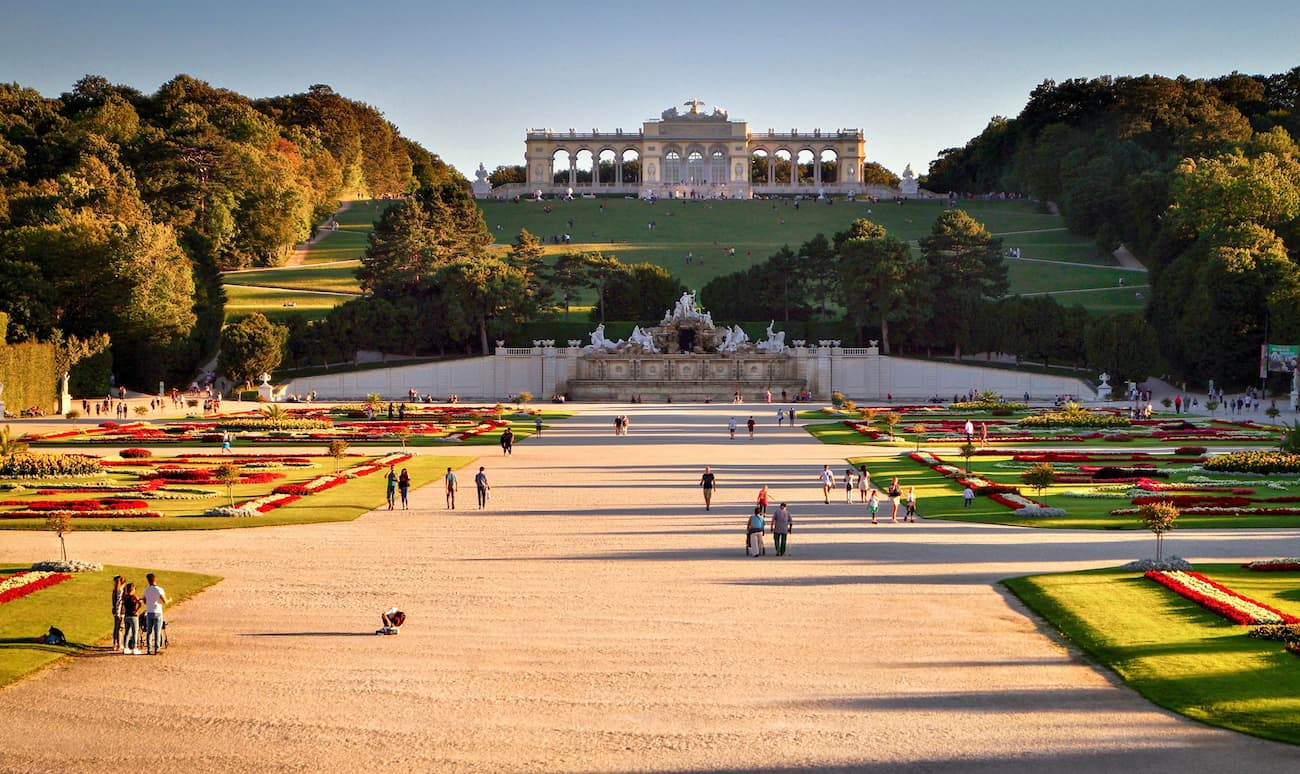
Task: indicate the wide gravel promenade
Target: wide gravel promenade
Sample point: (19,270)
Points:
(596,618)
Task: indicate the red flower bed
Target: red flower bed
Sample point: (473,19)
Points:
(1188,501)
(1272,566)
(36,585)
(110,504)
(1221,603)
(260,477)
(180,475)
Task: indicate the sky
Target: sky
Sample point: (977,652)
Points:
(468,79)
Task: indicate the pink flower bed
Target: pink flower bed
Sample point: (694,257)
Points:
(1219,599)
(1272,566)
(20,584)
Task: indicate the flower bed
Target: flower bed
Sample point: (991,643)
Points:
(1273,565)
(20,584)
(30,465)
(1254,462)
(1219,599)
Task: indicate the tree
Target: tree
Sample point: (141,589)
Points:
(1040,475)
(592,270)
(1159,517)
(337,449)
(967,450)
(417,237)
(252,346)
(891,420)
(966,270)
(1124,346)
(60,523)
(881,281)
(641,292)
(481,295)
(503,175)
(526,256)
(917,431)
(227,473)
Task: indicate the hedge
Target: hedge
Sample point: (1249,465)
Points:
(27,372)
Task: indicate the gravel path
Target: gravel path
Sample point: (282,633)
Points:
(596,618)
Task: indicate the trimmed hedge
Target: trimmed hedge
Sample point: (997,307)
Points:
(264,424)
(1074,418)
(27,372)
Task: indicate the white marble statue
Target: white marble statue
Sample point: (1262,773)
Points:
(600,343)
(642,339)
(734,338)
(686,308)
(907,184)
(775,341)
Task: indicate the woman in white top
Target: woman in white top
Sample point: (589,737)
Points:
(864,484)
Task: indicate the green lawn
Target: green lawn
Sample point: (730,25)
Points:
(339,277)
(704,231)
(341,503)
(1173,652)
(80,608)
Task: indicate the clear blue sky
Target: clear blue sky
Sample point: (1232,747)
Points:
(467,79)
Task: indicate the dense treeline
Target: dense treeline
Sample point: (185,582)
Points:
(432,286)
(1199,178)
(949,294)
(118,209)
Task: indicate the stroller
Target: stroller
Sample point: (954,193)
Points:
(392,619)
(164,631)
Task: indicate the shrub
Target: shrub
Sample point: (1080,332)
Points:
(837,399)
(29,465)
(1039,476)
(1254,462)
(1190,451)
(135,454)
(73,414)
(995,406)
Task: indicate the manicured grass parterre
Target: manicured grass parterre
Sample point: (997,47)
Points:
(1174,652)
(1087,502)
(342,502)
(79,607)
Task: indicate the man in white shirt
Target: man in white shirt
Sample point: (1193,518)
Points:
(154,599)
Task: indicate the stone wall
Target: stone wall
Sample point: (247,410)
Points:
(861,374)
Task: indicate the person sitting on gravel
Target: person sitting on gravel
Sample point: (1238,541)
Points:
(392,619)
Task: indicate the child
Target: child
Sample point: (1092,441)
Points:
(911,503)
(873,504)
(967,496)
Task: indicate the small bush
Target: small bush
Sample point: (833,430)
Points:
(135,454)
(1190,451)
(73,414)
(1254,462)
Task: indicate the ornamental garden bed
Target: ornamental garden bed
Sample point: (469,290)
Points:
(922,425)
(1176,653)
(1093,491)
(422,426)
(76,606)
(183,492)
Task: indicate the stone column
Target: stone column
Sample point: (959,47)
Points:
(573,170)
(771,169)
(817,170)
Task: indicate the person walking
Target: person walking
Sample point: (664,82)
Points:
(864,484)
(910,504)
(828,483)
(791,417)
(895,493)
(731,427)
(508,442)
(391,479)
(225,442)
(537,426)
(404,486)
(707,483)
(750,424)
(481,484)
(754,534)
(131,605)
(118,584)
(873,505)
(782,524)
(761,505)
(848,485)
(450,481)
(154,600)
(780,417)
(967,496)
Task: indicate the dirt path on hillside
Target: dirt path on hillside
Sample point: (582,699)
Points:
(596,618)
(299,255)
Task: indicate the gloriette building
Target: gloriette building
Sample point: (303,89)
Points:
(694,152)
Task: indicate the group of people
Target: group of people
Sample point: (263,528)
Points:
(620,424)
(138,617)
(861,481)
(398,483)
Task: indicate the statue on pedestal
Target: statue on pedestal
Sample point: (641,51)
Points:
(908,185)
(775,343)
(643,340)
(481,186)
(600,343)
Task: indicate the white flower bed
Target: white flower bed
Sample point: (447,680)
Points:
(1096,495)
(1039,510)
(226,510)
(1256,613)
(71,565)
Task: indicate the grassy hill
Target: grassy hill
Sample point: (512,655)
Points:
(1052,260)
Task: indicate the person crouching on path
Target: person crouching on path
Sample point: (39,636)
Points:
(782,524)
(707,483)
(481,484)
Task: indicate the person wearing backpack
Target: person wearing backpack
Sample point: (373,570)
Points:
(754,534)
